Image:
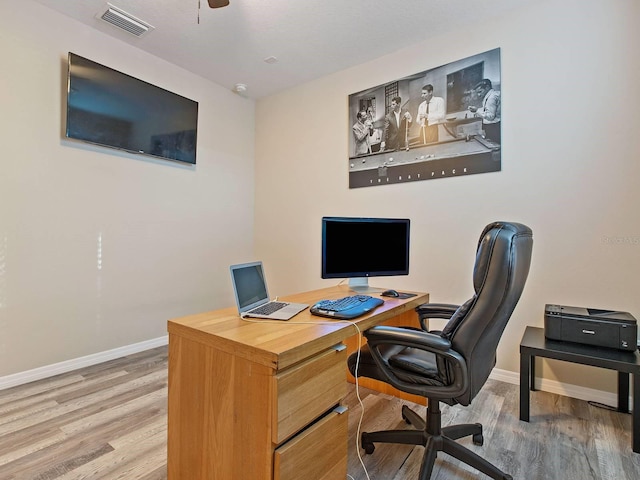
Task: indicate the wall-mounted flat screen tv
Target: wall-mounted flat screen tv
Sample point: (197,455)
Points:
(109,108)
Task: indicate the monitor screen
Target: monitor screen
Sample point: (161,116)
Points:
(109,108)
(358,248)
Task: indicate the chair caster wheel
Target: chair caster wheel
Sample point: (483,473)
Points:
(367,446)
(478,439)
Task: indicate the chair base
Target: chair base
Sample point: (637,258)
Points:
(435,439)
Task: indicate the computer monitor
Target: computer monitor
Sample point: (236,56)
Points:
(359,248)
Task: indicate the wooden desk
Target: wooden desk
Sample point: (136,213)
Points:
(262,400)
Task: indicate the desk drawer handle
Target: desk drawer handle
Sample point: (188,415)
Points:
(590,332)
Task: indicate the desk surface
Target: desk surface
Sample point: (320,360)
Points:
(279,344)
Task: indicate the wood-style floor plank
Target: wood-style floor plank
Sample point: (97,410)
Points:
(109,422)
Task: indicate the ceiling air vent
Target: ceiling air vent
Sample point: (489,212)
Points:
(125,21)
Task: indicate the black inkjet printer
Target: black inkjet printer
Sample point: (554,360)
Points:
(591,326)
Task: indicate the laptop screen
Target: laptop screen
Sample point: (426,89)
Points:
(249,284)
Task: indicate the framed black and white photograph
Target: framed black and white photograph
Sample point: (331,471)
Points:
(439,123)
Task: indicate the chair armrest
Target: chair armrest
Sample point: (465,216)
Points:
(435,310)
(407,337)
(384,335)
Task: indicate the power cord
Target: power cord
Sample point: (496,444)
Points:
(357,383)
(604,406)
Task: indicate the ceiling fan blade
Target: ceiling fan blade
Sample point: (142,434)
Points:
(218,3)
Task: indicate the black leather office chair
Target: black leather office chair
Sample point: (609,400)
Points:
(451,366)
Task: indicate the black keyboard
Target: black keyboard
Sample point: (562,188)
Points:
(346,307)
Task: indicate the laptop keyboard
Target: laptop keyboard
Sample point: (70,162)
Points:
(268,308)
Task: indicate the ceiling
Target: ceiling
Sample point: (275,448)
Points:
(309,38)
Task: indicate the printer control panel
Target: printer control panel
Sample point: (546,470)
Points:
(555,310)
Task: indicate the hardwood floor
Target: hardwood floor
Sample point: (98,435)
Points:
(108,422)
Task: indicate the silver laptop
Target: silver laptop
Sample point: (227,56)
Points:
(252,297)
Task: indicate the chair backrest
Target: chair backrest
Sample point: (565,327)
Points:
(502,265)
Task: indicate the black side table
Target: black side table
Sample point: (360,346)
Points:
(534,344)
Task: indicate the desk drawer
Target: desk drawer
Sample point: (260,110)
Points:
(306,391)
(318,453)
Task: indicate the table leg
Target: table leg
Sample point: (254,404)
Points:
(623,392)
(635,428)
(532,369)
(525,383)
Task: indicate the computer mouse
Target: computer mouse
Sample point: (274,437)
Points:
(390,293)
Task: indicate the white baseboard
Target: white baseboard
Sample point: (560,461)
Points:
(565,389)
(39,373)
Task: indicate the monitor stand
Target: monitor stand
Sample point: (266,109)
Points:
(361,285)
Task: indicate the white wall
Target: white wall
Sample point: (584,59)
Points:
(98,249)
(570,169)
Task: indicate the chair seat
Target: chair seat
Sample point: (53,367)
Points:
(410,365)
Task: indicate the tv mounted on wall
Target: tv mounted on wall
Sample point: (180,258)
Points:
(112,109)
(359,248)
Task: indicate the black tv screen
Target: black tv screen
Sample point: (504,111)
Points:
(109,108)
(364,247)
